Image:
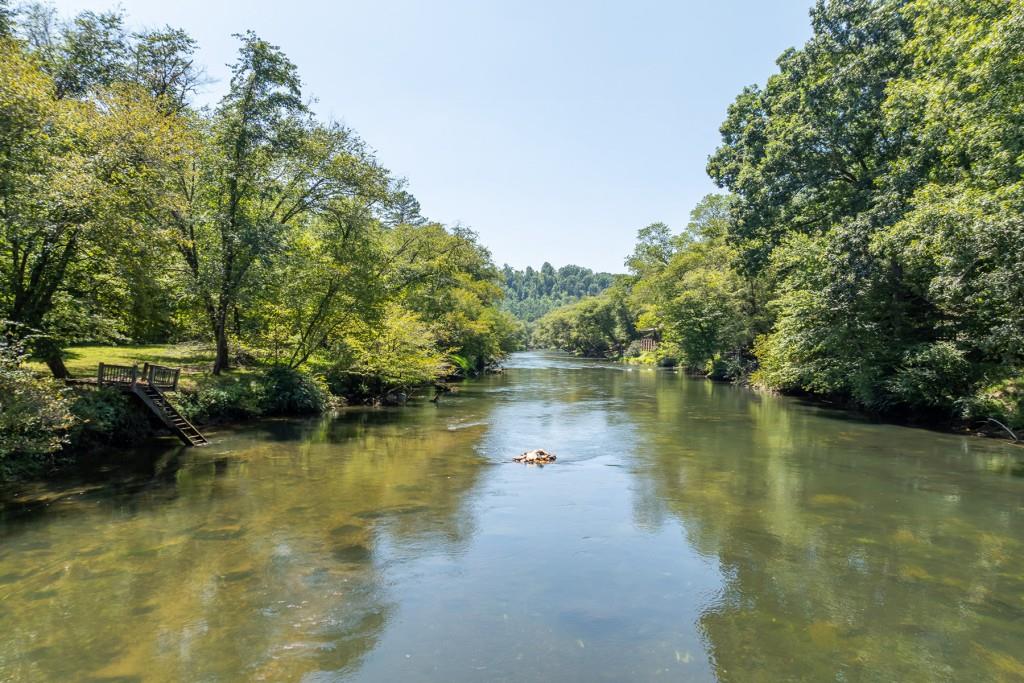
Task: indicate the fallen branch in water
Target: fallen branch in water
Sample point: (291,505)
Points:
(992,419)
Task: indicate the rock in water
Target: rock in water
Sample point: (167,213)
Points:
(537,456)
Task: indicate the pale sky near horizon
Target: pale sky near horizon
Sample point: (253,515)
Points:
(554,129)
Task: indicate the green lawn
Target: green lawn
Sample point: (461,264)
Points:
(83,360)
(194,359)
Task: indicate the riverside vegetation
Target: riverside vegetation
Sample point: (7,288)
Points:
(272,239)
(868,249)
(871,244)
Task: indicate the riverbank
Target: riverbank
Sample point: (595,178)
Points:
(53,426)
(776,540)
(995,413)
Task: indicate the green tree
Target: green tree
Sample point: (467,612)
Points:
(263,165)
(70,172)
(596,327)
(403,209)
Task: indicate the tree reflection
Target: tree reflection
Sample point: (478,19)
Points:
(849,550)
(265,558)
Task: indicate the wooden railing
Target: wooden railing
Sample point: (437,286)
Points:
(159,376)
(117,374)
(162,376)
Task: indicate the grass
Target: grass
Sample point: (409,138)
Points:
(194,359)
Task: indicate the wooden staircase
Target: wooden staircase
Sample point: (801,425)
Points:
(149,386)
(175,421)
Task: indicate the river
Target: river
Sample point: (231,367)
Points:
(689,531)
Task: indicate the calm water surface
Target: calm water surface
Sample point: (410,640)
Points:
(689,531)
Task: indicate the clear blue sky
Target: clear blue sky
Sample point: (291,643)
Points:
(554,129)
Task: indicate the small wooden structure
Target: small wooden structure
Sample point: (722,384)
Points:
(149,386)
(649,339)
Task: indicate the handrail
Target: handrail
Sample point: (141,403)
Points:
(117,374)
(156,375)
(163,376)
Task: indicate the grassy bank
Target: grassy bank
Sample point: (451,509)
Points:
(48,425)
(195,360)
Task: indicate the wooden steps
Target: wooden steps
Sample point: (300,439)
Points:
(175,421)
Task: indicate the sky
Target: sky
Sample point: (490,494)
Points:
(555,129)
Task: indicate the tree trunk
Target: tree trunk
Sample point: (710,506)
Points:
(51,355)
(220,333)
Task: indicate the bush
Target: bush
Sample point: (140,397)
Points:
(35,413)
(233,398)
(288,391)
(1003,401)
(731,367)
(277,391)
(106,416)
(932,376)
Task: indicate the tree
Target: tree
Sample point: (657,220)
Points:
(596,327)
(69,172)
(653,249)
(403,209)
(7,22)
(805,152)
(877,183)
(264,166)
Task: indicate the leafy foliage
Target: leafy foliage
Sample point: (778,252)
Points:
(131,215)
(872,244)
(106,417)
(529,294)
(597,327)
(277,390)
(878,182)
(35,412)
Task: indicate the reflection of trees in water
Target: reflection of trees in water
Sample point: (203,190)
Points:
(266,562)
(848,550)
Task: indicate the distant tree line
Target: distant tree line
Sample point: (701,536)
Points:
(529,294)
(871,248)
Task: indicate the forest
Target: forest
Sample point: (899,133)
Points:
(529,294)
(252,228)
(869,245)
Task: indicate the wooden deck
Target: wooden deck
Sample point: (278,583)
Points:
(149,385)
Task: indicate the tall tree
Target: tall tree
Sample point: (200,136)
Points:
(403,209)
(69,172)
(264,166)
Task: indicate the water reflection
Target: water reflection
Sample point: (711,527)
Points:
(851,551)
(688,531)
(265,559)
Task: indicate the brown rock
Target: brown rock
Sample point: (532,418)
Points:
(537,456)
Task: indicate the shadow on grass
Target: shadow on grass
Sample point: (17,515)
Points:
(194,357)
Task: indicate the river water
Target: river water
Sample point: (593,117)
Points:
(689,531)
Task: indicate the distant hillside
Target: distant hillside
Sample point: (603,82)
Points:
(529,294)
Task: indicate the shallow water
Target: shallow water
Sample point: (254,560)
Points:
(689,531)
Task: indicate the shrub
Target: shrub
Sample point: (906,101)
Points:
(277,391)
(932,376)
(106,416)
(732,367)
(232,398)
(1003,401)
(288,391)
(35,413)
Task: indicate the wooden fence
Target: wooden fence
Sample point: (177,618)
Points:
(160,376)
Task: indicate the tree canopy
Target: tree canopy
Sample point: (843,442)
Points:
(131,214)
(871,244)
